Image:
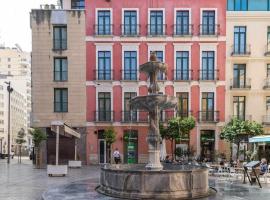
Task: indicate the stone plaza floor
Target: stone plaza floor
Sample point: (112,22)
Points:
(24,182)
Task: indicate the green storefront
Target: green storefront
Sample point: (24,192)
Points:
(131,147)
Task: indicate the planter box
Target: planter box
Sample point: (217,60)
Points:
(74,163)
(57,170)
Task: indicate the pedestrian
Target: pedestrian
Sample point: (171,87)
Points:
(116,156)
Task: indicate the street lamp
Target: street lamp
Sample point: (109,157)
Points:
(9,89)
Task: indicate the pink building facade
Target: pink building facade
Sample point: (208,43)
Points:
(190,37)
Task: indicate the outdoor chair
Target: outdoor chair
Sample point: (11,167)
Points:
(266,176)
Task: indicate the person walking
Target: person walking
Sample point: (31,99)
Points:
(116,156)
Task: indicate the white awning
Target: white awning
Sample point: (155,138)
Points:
(67,129)
(71,131)
(262,138)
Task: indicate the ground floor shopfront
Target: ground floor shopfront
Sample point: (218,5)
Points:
(203,143)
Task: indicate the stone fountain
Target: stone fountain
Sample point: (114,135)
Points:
(154,180)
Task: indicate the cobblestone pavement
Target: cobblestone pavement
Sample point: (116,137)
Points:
(24,182)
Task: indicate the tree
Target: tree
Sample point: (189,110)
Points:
(38,136)
(19,141)
(237,130)
(110,138)
(178,128)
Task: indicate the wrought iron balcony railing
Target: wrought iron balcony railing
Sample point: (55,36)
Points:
(241,117)
(103,29)
(241,50)
(208,116)
(208,75)
(129,74)
(209,29)
(182,30)
(104,116)
(130,30)
(103,74)
(155,30)
(240,84)
(183,75)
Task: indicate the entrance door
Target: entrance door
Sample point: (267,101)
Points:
(102,151)
(207,145)
(131,146)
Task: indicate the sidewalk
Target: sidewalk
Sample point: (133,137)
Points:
(24,182)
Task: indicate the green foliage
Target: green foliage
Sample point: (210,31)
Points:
(237,129)
(38,136)
(110,135)
(20,137)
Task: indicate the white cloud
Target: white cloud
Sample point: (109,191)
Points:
(15,21)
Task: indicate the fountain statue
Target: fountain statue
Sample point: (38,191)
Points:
(155,180)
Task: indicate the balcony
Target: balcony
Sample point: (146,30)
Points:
(103,75)
(103,29)
(129,75)
(182,75)
(183,114)
(242,50)
(266,85)
(182,30)
(209,29)
(241,117)
(166,115)
(267,49)
(130,30)
(240,84)
(156,30)
(135,116)
(208,75)
(266,120)
(104,116)
(208,116)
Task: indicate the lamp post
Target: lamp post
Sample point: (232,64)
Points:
(9,89)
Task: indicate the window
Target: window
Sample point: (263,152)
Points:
(156,23)
(182,23)
(104,106)
(130,65)
(268,103)
(239,76)
(130,26)
(9,59)
(9,66)
(60,69)
(268,40)
(77,4)
(251,5)
(182,104)
(159,55)
(208,26)
(208,68)
(239,40)
(60,100)
(182,65)
(59,37)
(207,113)
(240,5)
(104,23)
(268,71)
(128,115)
(104,65)
(239,104)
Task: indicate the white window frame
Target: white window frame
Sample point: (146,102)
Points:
(164,18)
(182,9)
(138,17)
(209,9)
(128,88)
(104,47)
(111,16)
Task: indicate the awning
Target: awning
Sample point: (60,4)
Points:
(64,127)
(263,138)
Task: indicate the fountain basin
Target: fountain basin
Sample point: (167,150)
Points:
(150,102)
(173,182)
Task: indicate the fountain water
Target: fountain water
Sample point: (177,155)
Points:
(154,181)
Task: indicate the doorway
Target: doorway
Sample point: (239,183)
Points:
(207,145)
(131,146)
(102,151)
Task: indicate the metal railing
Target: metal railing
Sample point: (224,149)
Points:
(208,116)
(104,116)
(135,116)
(183,29)
(239,84)
(266,84)
(59,44)
(103,74)
(129,74)
(266,119)
(244,50)
(156,29)
(103,29)
(182,75)
(130,30)
(241,117)
(183,114)
(209,29)
(208,75)
(267,49)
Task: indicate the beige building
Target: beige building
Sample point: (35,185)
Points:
(58,74)
(248,66)
(18,117)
